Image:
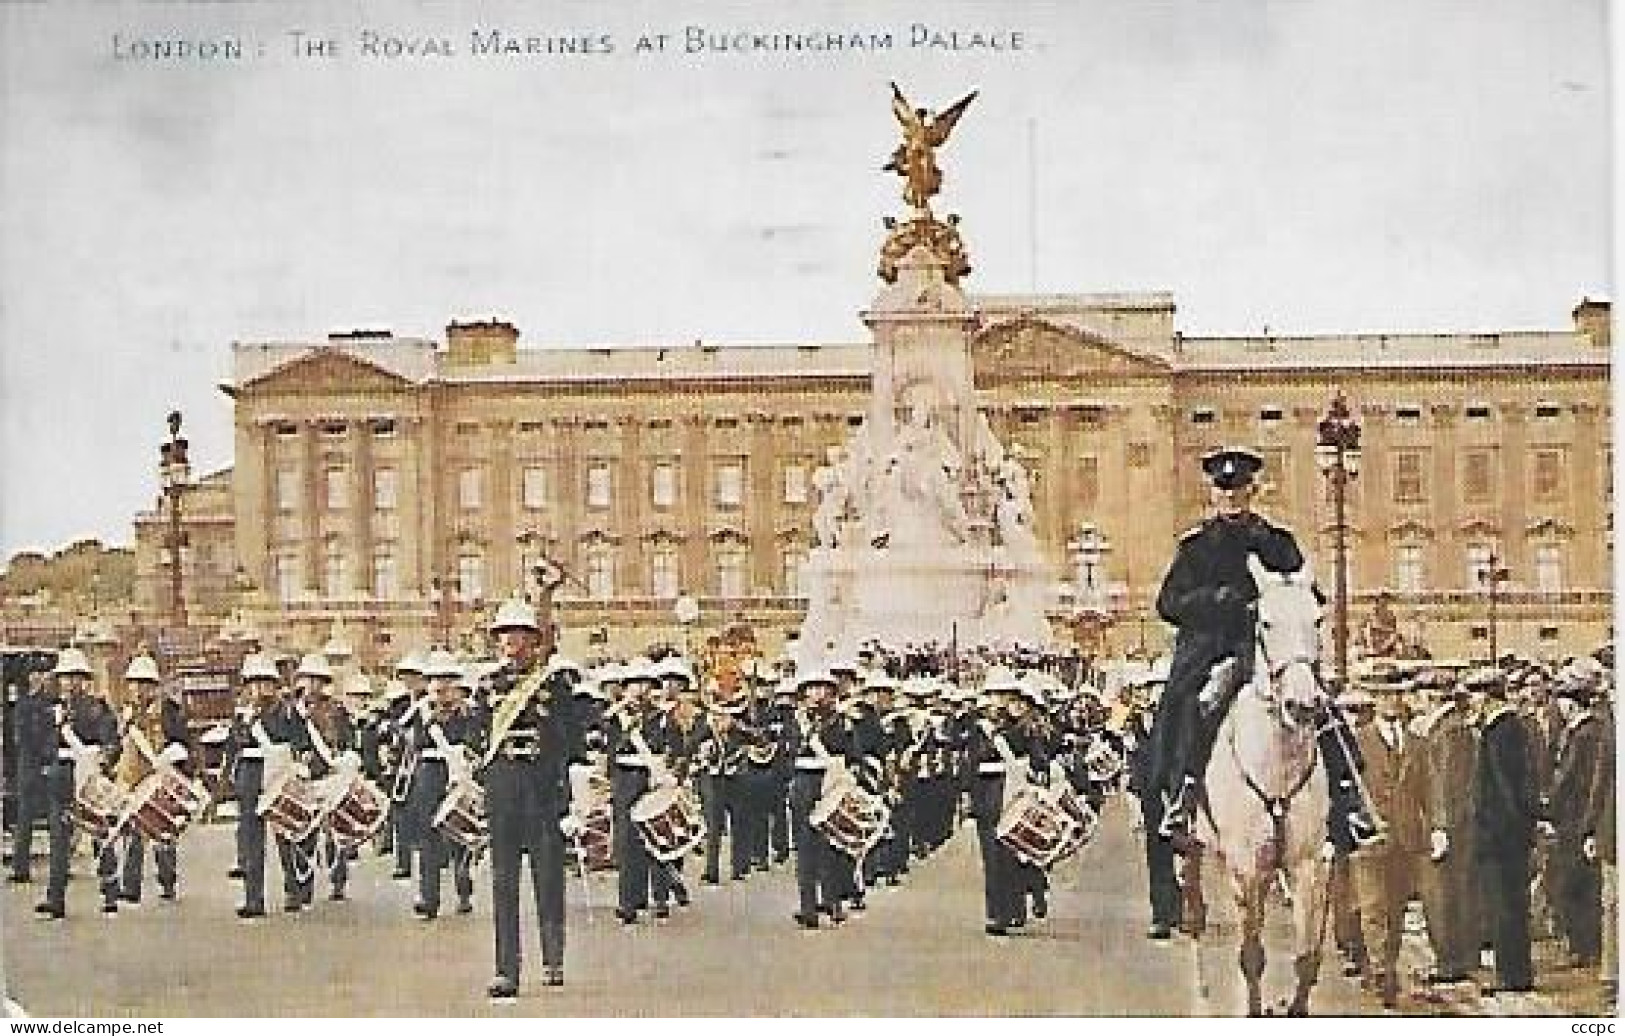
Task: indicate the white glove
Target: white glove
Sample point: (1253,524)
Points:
(570,825)
(348,761)
(1328,851)
(174,753)
(1546,829)
(1588,848)
(665,779)
(580,772)
(1441,845)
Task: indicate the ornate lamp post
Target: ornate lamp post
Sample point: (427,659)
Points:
(1092,598)
(175,478)
(1492,575)
(1337,455)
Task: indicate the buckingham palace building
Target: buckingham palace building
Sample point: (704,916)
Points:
(405,485)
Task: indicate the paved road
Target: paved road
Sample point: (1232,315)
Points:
(919,950)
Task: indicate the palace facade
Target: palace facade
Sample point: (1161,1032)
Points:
(405,485)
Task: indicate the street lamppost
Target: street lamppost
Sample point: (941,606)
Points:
(1492,575)
(1091,599)
(442,589)
(175,478)
(1337,455)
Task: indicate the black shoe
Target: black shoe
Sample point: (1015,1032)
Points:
(859,904)
(809,923)
(250,912)
(502,988)
(894,881)
(465,905)
(401,875)
(1040,905)
(710,879)
(552,975)
(837,916)
(1159,931)
(996,929)
(167,893)
(236,873)
(130,897)
(337,896)
(662,911)
(738,875)
(424,911)
(109,906)
(51,910)
(1495,990)
(291,906)
(680,893)
(627,916)
(19,879)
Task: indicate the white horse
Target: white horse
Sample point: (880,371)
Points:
(1267,791)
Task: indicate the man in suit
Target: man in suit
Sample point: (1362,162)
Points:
(1386,873)
(534,738)
(1507,801)
(1448,736)
(1574,872)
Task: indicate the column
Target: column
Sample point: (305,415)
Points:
(696,504)
(1051,518)
(1513,487)
(502,564)
(414,509)
(1444,500)
(632,489)
(362,512)
(1586,561)
(762,500)
(571,493)
(310,486)
(1372,494)
(253,485)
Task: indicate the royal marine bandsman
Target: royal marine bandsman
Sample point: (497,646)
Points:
(87,747)
(156,736)
(533,739)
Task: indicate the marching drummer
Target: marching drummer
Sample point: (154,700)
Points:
(330,733)
(404,714)
(87,746)
(534,738)
(446,755)
(260,679)
(161,721)
(639,750)
(998,746)
(821,741)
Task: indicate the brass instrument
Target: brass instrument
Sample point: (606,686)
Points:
(143,738)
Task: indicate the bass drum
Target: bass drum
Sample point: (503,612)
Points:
(670,821)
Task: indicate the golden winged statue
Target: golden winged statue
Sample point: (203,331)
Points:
(915,159)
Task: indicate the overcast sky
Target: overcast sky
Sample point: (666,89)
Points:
(1312,166)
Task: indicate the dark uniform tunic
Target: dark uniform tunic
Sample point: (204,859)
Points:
(526,795)
(1005,880)
(630,780)
(1208,594)
(93,723)
(462,732)
(720,759)
(823,873)
(34,728)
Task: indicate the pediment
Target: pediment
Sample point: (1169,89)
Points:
(326,369)
(1026,347)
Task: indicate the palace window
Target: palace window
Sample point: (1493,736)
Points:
(285,576)
(663,577)
(533,488)
(1204,415)
(1548,411)
(1408,414)
(1270,414)
(791,562)
(664,485)
(1478,412)
(1478,475)
(470,577)
(287,490)
(335,570)
(382,427)
(730,483)
(334,484)
(795,483)
(601,574)
(384,483)
(470,488)
(1408,477)
(385,578)
(1088,481)
(731,572)
(1409,569)
(1549,568)
(1548,474)
(1478,566)
(600,485)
